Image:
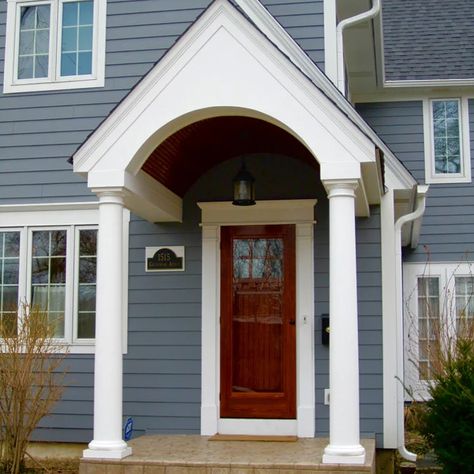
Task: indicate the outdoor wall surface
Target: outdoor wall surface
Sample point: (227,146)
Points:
(448,223)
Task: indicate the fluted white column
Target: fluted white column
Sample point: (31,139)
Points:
(108,369)
(344,438)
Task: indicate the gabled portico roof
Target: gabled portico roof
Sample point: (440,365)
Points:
(227,65)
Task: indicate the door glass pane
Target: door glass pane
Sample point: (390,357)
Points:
(257,324)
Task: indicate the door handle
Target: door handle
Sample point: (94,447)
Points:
(292,322)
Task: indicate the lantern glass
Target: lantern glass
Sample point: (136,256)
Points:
(244,188)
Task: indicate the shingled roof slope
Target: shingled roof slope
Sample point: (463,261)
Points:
(428,39)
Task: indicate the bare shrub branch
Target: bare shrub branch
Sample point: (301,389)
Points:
(31,381)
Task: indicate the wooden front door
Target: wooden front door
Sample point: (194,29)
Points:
(258,332)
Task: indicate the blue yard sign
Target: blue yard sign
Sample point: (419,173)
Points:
(128,429)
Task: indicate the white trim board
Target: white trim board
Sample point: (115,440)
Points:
(303,217)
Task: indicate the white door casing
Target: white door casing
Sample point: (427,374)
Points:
(214,215)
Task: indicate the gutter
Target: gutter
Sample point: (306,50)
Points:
(420,193)
(341,26)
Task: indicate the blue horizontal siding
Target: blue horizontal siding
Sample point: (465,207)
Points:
(447,232)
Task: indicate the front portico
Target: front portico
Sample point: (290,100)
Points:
(224,67)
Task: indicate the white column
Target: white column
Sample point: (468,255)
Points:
(344,442)
(108,370)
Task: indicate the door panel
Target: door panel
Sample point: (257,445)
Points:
(258,330)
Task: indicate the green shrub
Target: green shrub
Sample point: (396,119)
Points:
(448,423)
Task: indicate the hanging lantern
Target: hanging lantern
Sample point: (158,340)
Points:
(244,188)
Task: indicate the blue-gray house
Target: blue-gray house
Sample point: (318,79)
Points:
(199,191)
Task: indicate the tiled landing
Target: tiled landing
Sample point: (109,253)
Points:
(162,454)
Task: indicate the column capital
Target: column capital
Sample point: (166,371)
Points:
(340,187)
(110,195)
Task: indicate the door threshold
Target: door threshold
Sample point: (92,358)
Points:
(274,438)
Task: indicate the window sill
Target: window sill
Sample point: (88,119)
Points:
(456,179)
(12,88)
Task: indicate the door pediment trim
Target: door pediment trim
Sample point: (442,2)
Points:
(289,211)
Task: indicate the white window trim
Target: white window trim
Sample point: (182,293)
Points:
(215,214)
(446,272)
(25,218)
(430,176)
(53,81)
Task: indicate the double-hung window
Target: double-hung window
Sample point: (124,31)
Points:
(54,44)
(439,307)
(48,259)
(447,148)
(53,268)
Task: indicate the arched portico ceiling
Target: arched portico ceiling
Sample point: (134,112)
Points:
(187,154)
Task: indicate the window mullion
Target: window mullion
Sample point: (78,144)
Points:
(55,45)
(75,287)
(68,306)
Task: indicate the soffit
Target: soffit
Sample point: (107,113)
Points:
(187,154)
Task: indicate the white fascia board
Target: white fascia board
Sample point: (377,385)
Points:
(396,175)
(429,83)
(252,64)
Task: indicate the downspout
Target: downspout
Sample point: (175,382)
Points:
(341,79)
(411,217)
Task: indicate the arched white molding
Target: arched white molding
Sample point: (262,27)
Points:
(222,61)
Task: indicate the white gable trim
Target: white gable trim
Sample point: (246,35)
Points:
(223,64)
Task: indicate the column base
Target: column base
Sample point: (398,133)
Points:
(344,454)
(107,450)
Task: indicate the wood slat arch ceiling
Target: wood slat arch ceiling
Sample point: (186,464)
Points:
(187,154)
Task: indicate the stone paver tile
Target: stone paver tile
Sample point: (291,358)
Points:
(113,469)
(185,470)
(218,470)
(133,469)
(96,468)
(150,469)
(83,468)
(241,470)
